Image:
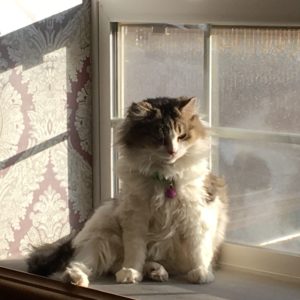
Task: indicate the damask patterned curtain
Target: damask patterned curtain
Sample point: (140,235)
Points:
(45,131)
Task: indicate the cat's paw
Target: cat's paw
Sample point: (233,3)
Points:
(156,271)
(200,275)
(128,275)
(75,276)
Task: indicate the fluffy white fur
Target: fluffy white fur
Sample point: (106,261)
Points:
(146,234)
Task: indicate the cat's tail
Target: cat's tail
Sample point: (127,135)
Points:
(50,258)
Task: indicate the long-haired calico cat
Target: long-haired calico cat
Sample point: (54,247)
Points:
(171,214)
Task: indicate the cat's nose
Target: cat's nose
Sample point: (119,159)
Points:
(171,151)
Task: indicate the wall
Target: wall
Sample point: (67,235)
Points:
(45,130)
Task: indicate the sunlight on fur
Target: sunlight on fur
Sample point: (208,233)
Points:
(171,216)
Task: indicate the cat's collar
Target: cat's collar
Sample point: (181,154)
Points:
(169,184)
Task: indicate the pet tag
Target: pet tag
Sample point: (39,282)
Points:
(170,192)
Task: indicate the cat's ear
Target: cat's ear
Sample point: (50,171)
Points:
(189,106)
(140,110)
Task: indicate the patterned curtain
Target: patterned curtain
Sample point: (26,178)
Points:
(45,131)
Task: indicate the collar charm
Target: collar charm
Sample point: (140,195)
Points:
(170,190)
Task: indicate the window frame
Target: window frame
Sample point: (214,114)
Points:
(21,285)
(285,13)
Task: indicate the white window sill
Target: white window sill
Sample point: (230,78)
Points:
(229,285)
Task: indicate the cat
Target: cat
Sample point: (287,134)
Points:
(171,214)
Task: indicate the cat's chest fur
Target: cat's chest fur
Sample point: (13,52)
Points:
(179,215)
(170,216)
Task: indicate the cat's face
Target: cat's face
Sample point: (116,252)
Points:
(164,127)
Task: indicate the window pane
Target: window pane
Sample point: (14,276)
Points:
(160,60)
(263,182)
(256,78)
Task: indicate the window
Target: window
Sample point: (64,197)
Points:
(247,80)
(157,60)
(254,82)
(255,88)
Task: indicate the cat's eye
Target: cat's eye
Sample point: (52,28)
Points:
(182,136)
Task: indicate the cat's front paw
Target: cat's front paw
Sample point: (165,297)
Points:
(155,271)
(200,275)
(75,276)
(128,275)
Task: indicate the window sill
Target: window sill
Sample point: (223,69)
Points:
(18,285)
(230,284)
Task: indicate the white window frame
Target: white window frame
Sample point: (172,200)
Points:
(282,13)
